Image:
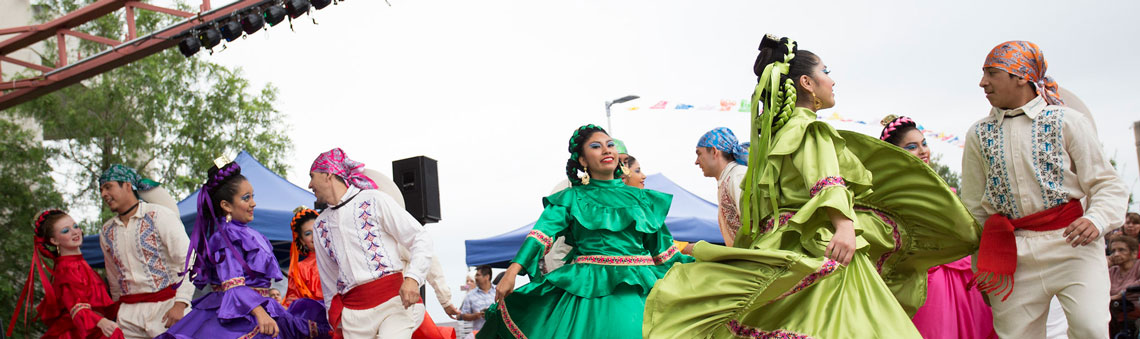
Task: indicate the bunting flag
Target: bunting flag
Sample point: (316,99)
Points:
(744,105)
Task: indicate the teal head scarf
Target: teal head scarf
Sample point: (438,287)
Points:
(123,173)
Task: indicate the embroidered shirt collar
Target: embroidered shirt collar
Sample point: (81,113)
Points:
(724,172)
(136,214)
(1031,109)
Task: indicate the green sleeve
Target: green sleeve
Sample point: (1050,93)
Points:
(553,222)
(664,251)
(817,161)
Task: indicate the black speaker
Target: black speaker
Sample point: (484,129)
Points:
(418,179)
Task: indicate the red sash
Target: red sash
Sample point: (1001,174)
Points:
(997,255)
(364,297)
(158,296)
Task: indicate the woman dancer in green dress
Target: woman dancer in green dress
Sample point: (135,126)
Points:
(820,254)
(621,247)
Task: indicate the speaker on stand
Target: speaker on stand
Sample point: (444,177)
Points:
(418,180)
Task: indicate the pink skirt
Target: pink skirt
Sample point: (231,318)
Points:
(951,310)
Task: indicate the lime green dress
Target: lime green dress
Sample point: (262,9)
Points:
(777,283)
(621,248)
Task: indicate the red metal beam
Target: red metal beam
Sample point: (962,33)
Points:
(95,38)
(19,62)
(134,49)
(37,33)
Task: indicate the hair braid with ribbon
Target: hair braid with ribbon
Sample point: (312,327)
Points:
(221,184)
(894,127)
(301,215)
(577,140)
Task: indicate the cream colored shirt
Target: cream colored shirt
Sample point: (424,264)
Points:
(728,200)
(147,253)
(358,242)
(1025,160)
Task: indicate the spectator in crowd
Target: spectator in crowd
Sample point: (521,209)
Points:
(479,298)
(276,295)
(1131,228)
(1123,272)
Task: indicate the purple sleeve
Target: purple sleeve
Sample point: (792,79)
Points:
(237,298)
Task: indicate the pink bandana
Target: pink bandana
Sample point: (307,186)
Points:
(337,163)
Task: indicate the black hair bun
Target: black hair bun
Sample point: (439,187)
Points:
(772,49)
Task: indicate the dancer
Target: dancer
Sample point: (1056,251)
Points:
(304,279)
(143,246)
(621,247)
(820,254)
(1025,169)
(634,178)
(238,263)
(952,308)
(720,156)
(75,304)
(368,287)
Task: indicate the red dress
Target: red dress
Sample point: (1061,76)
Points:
(82,301)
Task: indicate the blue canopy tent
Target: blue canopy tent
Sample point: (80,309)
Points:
(276,198)
(690,218)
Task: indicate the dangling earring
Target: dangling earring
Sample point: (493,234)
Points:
(228,217)
(815,102)
(624,170)
(585,177)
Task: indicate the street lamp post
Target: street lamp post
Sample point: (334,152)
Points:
(609,127)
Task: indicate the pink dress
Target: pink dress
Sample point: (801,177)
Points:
(951,310)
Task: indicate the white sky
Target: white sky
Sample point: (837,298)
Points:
(493,89)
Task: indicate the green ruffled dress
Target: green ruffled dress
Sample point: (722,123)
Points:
(777,283)
(621,248)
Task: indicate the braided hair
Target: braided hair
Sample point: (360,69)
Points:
(221,185)
(44,223)
(800,63)
(895,127)
(577,140)
(301,215)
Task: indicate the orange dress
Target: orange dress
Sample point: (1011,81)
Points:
(305,283)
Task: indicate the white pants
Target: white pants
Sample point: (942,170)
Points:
(144,320)
(1047,266)
(387,320)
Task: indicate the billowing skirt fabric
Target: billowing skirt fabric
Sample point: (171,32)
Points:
(305,318)
(952,310)
(783,291)
(542,310)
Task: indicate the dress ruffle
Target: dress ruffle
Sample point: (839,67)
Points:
(610,206)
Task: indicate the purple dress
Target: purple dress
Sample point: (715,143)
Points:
(239,287)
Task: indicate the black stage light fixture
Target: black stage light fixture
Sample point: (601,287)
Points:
(231,30)
(209,37)
(189,45)
(319,4)
(252,22)
(296,7)
(274,15)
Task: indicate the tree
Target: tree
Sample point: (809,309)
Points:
(25,190)
(166,115)
(950,176)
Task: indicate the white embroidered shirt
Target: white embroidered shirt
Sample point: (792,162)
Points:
(147,253)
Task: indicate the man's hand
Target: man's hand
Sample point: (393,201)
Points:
(174,314)
(1081,232)
(410,292)
(452,312)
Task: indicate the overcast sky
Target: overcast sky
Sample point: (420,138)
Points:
(493,89)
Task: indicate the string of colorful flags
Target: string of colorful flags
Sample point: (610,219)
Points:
(745,105)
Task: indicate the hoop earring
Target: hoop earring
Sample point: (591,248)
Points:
(815,102)
(585,177)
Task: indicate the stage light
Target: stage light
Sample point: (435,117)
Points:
(274,15)
(319,4)
(209,37)
(231,30)
(252,22)
(296,8)
(189,46)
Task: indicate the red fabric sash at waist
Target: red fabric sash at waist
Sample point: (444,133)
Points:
(158,296)
(997,254)
(364,297)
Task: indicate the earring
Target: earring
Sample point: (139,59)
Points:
(624,170)
(228,218)
(815,102)
(585,177)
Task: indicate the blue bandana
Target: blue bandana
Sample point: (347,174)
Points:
(723,139)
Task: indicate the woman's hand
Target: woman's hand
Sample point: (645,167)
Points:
(265,324)
(507,285)
(108,327)
(842,245)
